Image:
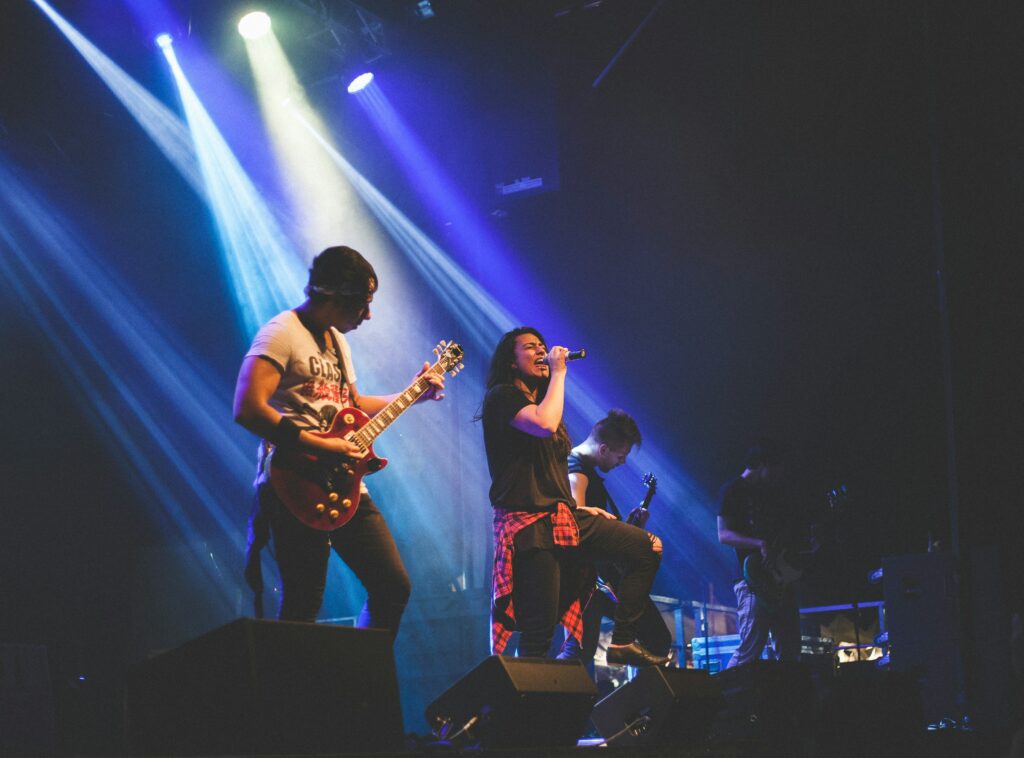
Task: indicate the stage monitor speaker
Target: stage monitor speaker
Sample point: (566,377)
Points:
(769,702)
(660,706)
(516,703)
(257,687)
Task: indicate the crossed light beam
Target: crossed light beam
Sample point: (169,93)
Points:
(135,382)
(223,182)
(688,526)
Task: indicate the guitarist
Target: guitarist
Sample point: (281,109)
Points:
(752,519)
(607,447)
(294,379)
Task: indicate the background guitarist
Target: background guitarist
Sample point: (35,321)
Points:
(294,379)
(607,447)
(752,518)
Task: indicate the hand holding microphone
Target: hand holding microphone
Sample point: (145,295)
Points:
(558,356)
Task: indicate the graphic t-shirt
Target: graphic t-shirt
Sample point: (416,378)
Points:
(311,390)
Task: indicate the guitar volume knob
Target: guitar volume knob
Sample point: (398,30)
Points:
(334,513)
(333,497)
(346,503)
(320,507)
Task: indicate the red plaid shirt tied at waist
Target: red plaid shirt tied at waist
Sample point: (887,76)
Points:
(566,533)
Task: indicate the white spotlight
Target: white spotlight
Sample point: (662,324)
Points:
(164,40)
(360,82)
(254,25)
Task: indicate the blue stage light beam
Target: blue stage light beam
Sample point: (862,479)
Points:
(494,266)
(255,250)
(162,125)
(694,517)
(160,413)
(267,272)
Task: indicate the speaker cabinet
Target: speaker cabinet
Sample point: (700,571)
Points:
(770,703)
(516,703)
(924,627)
(257,687)
(660,706)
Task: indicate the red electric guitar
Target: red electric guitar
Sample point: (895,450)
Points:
(322,491)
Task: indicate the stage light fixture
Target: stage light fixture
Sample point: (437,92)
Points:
(164,40)
(254,25)
(360,83)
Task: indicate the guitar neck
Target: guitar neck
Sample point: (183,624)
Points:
(387,415)
(647,498)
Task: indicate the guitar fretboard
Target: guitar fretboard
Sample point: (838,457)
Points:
(365,435)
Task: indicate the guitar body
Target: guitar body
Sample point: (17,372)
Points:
(768,579)
(322,493)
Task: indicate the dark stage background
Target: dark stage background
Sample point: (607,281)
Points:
(750,210)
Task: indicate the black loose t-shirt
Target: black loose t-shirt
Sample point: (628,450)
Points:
(597,494)
(753,510)
(527,473)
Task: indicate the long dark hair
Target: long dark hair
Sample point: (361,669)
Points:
(502,371)
(503,358)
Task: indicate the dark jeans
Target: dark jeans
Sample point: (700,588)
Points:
(545,579)
(651,630)
(365,544)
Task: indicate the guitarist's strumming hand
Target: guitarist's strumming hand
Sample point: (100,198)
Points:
(436,391)
(338,446)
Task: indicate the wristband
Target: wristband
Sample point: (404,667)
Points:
(286,433)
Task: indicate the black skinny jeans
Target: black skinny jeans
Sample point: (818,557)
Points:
(544,580)
(365,544)
(651,631)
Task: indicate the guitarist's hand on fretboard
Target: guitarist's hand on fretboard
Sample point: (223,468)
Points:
(638,517)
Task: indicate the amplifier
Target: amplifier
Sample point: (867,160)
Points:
(713,653)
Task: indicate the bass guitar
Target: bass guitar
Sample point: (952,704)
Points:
(769,577)
(322,491)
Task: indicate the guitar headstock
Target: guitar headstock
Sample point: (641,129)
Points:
(449,357)
(838,497)
(650,481)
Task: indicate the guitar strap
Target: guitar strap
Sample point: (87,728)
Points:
(613,508)
(341,367)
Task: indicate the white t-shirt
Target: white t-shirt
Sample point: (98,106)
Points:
(311,391)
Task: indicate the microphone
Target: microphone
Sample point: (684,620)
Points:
(572,355)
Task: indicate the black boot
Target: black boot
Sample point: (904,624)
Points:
(634,654)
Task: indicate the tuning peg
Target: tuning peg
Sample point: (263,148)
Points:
(437,351)
(453,373)
(462,366)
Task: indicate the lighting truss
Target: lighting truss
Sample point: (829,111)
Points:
(344,25)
